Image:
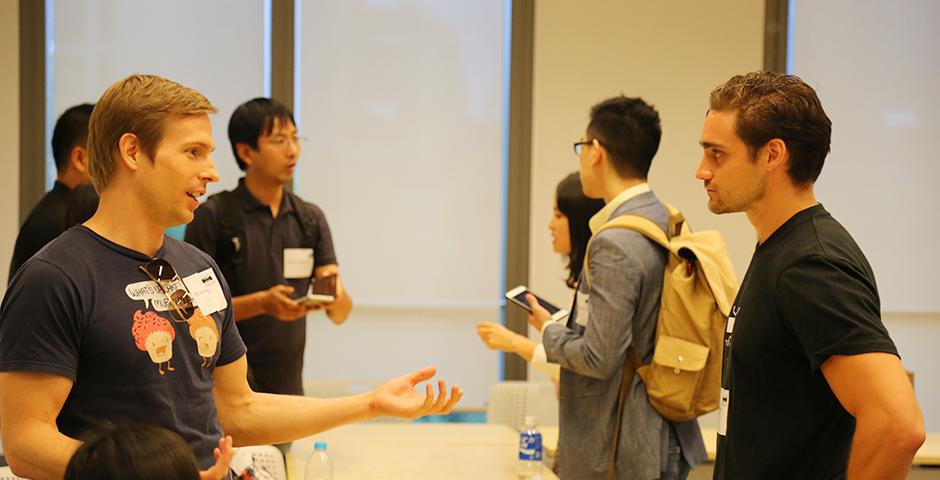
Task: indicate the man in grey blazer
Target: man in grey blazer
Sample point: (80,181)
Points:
(619,307)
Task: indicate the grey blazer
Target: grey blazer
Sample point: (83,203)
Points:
(621,306)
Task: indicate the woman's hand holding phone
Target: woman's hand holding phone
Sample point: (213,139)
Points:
(538,315)
(522,297)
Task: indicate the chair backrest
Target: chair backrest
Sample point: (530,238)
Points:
(7,474)
(511,401)
(269,458)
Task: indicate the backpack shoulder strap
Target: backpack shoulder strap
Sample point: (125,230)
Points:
(629,221)
(655,233)
(639,224)
(230,240)
(676,225)
(308,220)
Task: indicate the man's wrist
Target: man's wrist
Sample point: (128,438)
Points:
(264,297)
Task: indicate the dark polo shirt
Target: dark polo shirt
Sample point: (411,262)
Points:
(57,210)
(275,347)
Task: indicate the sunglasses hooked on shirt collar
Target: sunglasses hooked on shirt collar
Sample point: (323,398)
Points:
(182,307)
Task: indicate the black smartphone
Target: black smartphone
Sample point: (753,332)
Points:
(322,291)
(517,296)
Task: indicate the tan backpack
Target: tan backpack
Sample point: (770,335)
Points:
(699,286)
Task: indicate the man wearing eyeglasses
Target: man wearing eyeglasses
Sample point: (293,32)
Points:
(616,309)
(269,244)
(114,321)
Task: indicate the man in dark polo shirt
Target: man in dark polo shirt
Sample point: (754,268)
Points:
(72,199)
(281,241)
(812,385)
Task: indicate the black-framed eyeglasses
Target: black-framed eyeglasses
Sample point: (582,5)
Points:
(164,275)
(282,141)
(579,145)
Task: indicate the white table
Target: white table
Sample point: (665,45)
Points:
(927,455)
(415,451)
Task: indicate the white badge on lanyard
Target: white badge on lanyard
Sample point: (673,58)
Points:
(724,401)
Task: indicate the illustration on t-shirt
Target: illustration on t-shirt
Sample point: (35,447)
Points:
(154,334)
(202,327)
(206,334)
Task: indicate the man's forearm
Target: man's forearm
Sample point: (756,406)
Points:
(248,306)
(882,449)
(339,311)
(261,418)
(39,452)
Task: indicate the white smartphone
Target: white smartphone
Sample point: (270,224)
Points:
(517,296)
(322,292)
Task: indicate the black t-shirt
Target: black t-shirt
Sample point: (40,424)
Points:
(82,309)
(275,347)
(809,293)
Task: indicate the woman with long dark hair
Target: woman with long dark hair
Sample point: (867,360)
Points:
(570,235)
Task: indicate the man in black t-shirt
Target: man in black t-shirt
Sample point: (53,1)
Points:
(812,385)
(72,199)
(275,262)
(115,321)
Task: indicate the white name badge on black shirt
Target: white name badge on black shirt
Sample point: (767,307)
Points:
(298,262)
(725,400)
(206,291)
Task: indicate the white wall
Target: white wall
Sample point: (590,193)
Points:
(9,135)
(98,42)
(402,103)
(672,55)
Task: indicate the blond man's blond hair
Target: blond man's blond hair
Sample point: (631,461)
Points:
(141,105)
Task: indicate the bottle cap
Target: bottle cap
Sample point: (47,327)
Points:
(319,446)
(530,420)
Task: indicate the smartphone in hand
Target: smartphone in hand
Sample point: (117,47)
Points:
(322,292)
(517,296)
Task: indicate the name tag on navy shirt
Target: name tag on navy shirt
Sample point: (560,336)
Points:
(206,291)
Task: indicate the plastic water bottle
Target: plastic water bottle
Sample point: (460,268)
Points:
(530,450)
(319,467)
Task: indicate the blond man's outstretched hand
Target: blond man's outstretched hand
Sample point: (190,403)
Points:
(398,398)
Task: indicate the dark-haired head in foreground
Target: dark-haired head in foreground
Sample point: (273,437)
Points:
(136,451)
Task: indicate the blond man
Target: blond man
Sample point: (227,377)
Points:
(71,354)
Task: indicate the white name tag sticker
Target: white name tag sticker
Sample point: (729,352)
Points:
(206,291)
(298,262)
(725,398)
